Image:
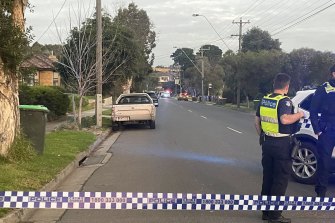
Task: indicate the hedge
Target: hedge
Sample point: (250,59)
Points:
(51,97)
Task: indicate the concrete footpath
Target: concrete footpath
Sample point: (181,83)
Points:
(73,182)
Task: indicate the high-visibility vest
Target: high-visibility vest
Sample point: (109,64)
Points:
(269,115)
(329,88)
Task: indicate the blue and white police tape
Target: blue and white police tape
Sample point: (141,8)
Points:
(159,201)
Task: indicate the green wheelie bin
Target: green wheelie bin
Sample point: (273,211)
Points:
(33,119)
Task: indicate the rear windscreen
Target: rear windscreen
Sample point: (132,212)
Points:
(134,100)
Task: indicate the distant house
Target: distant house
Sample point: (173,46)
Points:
(42,70)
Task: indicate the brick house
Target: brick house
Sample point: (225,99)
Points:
(43,70)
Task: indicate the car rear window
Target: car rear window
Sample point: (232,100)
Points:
(134,100)
(152,95)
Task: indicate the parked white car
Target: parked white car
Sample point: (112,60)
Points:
(305,157)
(134,108)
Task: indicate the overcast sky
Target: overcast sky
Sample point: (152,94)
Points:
(176,27)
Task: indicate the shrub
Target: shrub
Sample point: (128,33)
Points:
(51,97)
(87,122)
(230,95)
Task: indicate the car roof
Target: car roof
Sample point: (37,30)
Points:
(134,94)
(301,95)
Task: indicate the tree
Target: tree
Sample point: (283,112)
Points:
(78,63)
(256,40)
(214,54)
(137,20)
(184,57)
(55,49)
(13,42)
(309,67)
(255,70)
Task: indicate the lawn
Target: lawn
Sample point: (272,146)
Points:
(60,150)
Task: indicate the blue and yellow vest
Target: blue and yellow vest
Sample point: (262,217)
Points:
(269,115)
(329,88)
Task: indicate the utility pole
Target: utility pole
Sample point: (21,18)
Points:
(202,73)
(241,23)
(98,100)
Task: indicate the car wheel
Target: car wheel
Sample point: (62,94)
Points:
(305,163)
(152,124)
(115,126)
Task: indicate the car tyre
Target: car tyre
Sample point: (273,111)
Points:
(152,124)
(305,161)
(115,127)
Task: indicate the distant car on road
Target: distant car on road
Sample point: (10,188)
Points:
(305,157)
(165,94)
(154,97)
(183,97)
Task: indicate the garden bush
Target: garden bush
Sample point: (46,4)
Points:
(51,97)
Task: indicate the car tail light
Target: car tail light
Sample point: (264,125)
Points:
(153,111)
(113,111)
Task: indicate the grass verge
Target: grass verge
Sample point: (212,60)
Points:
(31,175)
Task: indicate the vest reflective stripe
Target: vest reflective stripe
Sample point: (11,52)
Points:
(269,115)
(329,88)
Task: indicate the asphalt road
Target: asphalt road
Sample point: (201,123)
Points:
(195,148)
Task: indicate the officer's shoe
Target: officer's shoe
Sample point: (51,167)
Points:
(281,219)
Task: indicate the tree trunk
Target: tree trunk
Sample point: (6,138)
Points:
(247,98)
(9,115)
(9,99)
(127,86)
(80,110)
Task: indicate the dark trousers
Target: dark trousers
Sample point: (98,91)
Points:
(325,145)
(276,162)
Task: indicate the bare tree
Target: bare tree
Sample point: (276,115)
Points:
(79,57)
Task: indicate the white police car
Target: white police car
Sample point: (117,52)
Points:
(305,156)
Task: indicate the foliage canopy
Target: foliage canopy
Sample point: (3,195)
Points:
(13,41)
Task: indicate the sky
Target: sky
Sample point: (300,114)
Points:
(286,20)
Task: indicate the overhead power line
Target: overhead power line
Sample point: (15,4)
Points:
(306,18)
(53,21)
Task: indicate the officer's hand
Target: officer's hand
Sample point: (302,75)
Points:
(303,113)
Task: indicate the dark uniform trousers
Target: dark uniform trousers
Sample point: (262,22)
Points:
(325,145)
(276,162)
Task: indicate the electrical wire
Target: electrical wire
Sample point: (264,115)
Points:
(52,22)
(308,17)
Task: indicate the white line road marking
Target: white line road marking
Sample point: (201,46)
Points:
(204,117)
(234,130)
(190,111)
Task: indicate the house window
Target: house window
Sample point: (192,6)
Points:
(56,79)
(37,79)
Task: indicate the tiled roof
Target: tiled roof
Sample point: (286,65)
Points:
(40,62)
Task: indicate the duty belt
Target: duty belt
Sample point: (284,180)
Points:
(276,135)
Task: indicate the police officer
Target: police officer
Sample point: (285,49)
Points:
(275,119)
(323,103)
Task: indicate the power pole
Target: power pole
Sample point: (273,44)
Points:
(98,100)
(202,73)
(238,93)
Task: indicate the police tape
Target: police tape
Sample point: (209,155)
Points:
(159,201)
